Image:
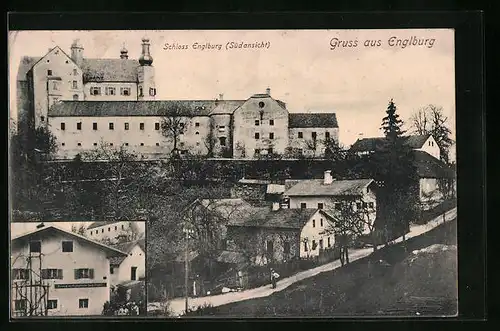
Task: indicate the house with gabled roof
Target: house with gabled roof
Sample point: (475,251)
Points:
(425,143)
(116,100)
(56,272)
(266,235)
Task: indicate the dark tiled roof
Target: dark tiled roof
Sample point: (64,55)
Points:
(315,187)
(291,182)
(376,143)
(312,120)
(109,70)
(266,218)
(25,65)
(231,257)
(188,108)
(226,107)
(430,167)
(94,70)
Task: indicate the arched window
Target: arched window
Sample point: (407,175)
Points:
(75,96)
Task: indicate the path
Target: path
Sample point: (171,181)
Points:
(177,305)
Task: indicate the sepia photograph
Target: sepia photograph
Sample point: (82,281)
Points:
(78,269)
(277,173)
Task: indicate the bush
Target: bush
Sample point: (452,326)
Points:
(206,309)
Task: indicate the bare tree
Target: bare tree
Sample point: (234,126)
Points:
(431,120)
(78,230)
(174,122)
(210,140)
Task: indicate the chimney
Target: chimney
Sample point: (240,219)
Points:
(328,179)
(39,226)
(268,91)
(276,206)
(221,96)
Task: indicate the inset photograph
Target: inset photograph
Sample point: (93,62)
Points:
(78,269)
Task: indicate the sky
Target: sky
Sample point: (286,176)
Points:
(299,66)
(17,229)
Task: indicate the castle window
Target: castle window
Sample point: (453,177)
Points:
(94,126)
(79,125)
(197,133)
(111,126)
(142,144)
(63,144)
(126,144)
(197,143)
(152,91)
(110,90)
(271,122)
(141,126)
(269,151)
(75,97)
(126,126)
(314,223)
(75,84)
(157,126)
(327,135)
(63,126)
(55,85)
(257,151)
(257,135)
(303,205)
(125,91)
(197,124)
(300,135)
(261,104)
(257,122)
(271,135)
(140,91)
(157,144)
(222,128)
(95,144)
(95,90)
(79,144)
(75,72)
(313,135)
(110,144)
(222,141)
(42,118)
(49,72)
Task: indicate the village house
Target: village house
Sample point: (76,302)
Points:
(115,100)
(330,193)
(115,231)
(131,267)
(274,234)
(425,143)
(59,273)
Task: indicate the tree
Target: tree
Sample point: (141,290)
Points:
(78,230)
(210,140)
(174,122)
(431,120)
(394,166)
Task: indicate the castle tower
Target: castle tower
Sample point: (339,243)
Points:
(77,52)
(146,74)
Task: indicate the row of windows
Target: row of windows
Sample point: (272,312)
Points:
(109,230)
(111,126)
(21,304)
(97,90)
(49,71)
(314,245)
(314,135)
(36,246)
(55,85)
(259,122)
(338,206)
(257,135)
(126,144)
(82,273)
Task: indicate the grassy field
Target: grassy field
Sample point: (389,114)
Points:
(408,284)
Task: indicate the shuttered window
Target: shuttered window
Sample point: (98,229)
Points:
(84,273)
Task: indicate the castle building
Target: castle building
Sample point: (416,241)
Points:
(89,102)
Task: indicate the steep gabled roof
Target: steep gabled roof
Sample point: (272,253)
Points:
(376,143)
(428,166)
(316,187)
(312,120)
(187,108)
(264,217)
(109,250)
(109,70)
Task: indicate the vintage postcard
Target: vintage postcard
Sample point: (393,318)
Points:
(279,173)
